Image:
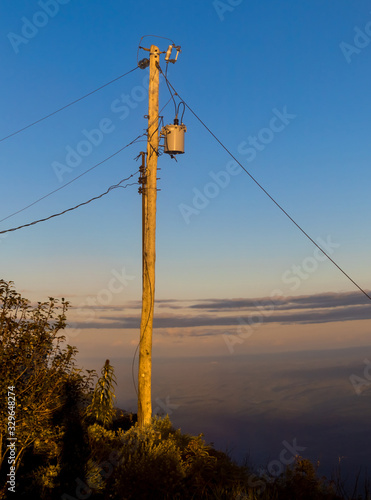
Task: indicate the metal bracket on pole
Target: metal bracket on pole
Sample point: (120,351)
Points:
(143,177)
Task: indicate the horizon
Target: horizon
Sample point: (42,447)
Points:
(240,291)
(249,405)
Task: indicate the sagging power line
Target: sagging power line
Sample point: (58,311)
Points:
(267,194)
(67,105)
(73,180)
(115,186)
(82,174)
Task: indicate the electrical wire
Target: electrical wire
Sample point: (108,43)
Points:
(167,84)
(154,36)
(145,327)
(271,197)
(83,173)
(160,117)
(145,264)
(115,186)
(161,120)
(153,150)
(86,171)
(73,180)
(177,111)
(68,105)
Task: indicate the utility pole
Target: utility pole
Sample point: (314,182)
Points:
(149,194)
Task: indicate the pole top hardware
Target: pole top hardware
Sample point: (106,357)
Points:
(169,51)
(144,63)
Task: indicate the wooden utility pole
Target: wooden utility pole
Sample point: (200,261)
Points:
(149,193)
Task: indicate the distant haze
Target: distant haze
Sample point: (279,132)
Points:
(250,405)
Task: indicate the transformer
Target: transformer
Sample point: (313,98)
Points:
(174,138)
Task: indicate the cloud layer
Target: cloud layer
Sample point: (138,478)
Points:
(213,313)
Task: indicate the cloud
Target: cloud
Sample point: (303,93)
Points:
(308,309)
(320,301)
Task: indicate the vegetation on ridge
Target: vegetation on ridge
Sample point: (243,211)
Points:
(73,444)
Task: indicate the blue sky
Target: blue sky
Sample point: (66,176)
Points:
(241,67)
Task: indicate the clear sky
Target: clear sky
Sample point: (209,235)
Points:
(284,85)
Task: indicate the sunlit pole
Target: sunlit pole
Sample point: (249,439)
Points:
(149,249)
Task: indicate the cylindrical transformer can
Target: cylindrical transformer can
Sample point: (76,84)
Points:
(174,139)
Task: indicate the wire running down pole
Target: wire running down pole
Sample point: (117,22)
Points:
(149,249)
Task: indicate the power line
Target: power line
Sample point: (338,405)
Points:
(115,186)
(67,105)
(73,180)
(269,196)
(86,171)
(168,86)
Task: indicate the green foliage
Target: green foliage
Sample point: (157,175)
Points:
(148,463)
(35,361)
(300,482)
(159,462)
(71,442)
(44,481)
(101,407)
(102,441)
(164,463)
